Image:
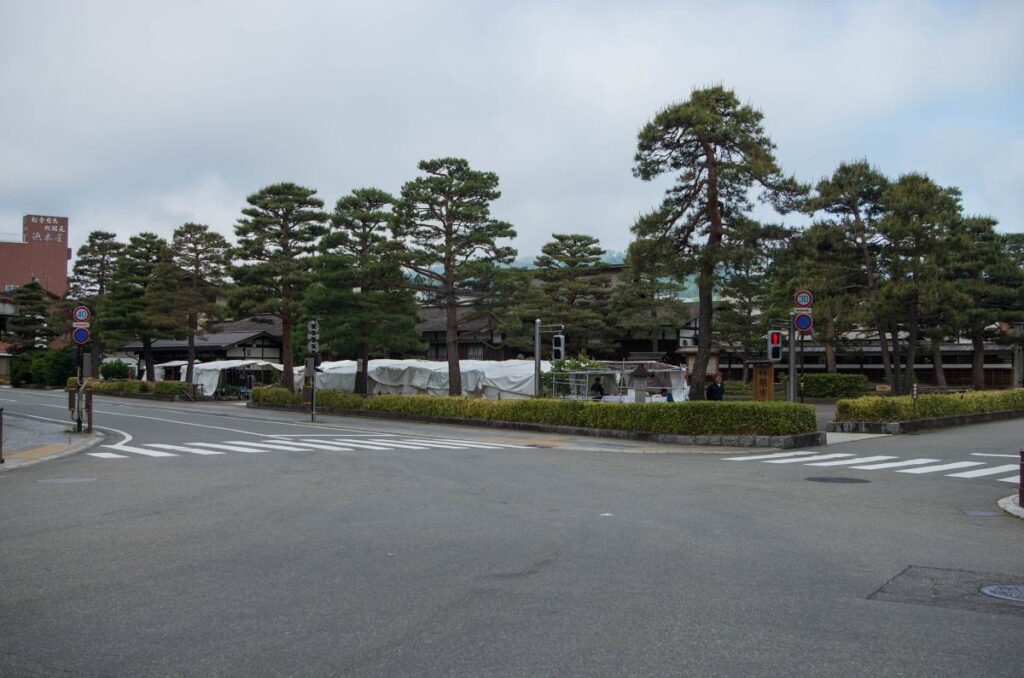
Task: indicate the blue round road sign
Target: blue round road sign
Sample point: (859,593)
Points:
(803,322)
(81,314)
(81,335)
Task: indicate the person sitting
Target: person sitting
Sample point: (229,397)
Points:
(716,389)
(597,390)
(667,395)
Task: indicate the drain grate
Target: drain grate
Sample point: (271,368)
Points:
(837,480)
(1012,592)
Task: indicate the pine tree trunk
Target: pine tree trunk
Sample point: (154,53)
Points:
(978,356)
(830,348)
(287,359)
(940,369)
(452,340)
(147,354)
(912,336)
(705,279)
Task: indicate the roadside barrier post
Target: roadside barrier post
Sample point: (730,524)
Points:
(88,409)
(2,437)
(1020,480)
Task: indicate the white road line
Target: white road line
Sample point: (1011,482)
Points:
(977,473)
(139,450)
(442,445)
(1011,479)
(798,460)
(897,464)
(332,435)
(322,445)
(405,446)
(182,448)
(272,446)
(107,455)
(230,448)
(847,462)
(778,455)
(472,442)
(361,444)
(984,454)
(941,467)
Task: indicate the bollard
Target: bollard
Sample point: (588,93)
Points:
(1020,481)
(88,408)
(2,437)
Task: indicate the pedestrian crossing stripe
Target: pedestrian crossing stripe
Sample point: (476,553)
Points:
(381,442)
(918,466)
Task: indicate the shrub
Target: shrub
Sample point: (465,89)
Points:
(50,367)
(21,369)
(127,386)
(115,369)
(689,418)
(832,385)
(169,388)
(904,408)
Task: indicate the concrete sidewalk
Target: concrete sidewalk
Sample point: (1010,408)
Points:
(27,441)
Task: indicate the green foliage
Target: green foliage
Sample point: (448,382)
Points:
(201,256)
(690,418)
(646,302)
(29,330)
(170,388)
(904,408)
(115,369)
(276,395)
(276,236)
(94,268)
(51,367)
(832,385)
(126,386)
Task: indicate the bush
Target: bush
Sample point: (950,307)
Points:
(115,369)
(21,369)
(832,385)
(904,408)
(127,386)
(689,418)
(169,388)
(50,367)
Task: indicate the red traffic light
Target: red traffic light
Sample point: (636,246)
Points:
(775,338)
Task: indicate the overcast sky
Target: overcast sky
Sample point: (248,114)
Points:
(131,116)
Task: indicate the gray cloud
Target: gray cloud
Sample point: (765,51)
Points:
(137,116)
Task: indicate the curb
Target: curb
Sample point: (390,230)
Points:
(915,425)
(785,442)
(1010,505)
(77,446)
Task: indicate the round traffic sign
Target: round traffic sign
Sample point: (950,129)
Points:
(804,322)
(81,313)
(804,299)
(81,335)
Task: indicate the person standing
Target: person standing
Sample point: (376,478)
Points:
(597,390)
(716,389)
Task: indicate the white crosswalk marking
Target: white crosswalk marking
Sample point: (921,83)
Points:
(107,455)
(1011,479)
(229,448)
(940,467)
(977,473)
(182,448)
(897,464)
(487,444)
(816,457)
(777,455)
(270,446)
(322,445)
(402,445)
(140,450)
(360,444)
(846,462)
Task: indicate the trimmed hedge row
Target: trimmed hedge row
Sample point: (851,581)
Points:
(690,418)
(134,386)
(903,408)
(832,385)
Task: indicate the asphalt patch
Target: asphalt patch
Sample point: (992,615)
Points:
(958,589)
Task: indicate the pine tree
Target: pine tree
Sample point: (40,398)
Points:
(576,288)
(94,267)
(276,238)
(29,330)
(359,291)
(201,256)
(124,312)
(444,221)
(719,152)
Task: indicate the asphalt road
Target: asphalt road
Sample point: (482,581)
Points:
(367,547)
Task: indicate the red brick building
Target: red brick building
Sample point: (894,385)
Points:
(43,254)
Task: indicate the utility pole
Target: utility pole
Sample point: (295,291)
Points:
(536,358)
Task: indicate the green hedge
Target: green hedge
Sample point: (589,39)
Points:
(115,369)
(169,388)
(832,385)
(689,418)
(903,408)
(129,386)
(50,367)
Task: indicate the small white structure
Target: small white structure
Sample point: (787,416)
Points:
(171,366)
(207,376)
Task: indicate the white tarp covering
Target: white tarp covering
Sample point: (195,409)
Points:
(159,369)
(483,378)
(207,375)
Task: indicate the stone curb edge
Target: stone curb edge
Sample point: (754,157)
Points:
(93,440)
(1010,505)
(915,425)
(798,440)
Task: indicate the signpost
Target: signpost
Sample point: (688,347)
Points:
(312,348)
(800,320)
(81,336)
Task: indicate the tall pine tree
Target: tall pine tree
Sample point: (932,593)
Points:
(29,330)
(201,256)
(276,238)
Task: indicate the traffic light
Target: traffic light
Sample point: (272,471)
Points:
(774,345)
(558,347)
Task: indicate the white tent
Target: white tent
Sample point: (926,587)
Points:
(159,369)
(207,375)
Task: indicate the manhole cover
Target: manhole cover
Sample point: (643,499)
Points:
(838,480)
(1012,592)
(66,480)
